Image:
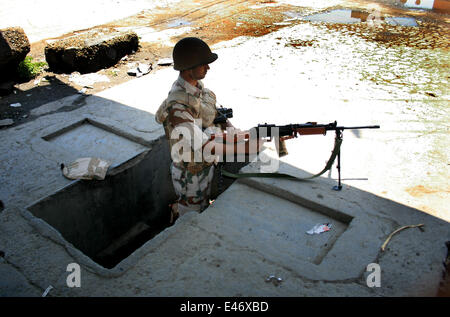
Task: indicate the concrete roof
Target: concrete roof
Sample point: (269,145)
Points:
(255,229)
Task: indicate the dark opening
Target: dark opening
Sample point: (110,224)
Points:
(108,220)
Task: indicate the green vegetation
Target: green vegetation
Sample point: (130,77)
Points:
(114,72)
(28,69)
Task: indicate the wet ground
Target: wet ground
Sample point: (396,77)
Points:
(216,21)
(371,51)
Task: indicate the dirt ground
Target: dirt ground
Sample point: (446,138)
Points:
(214,21)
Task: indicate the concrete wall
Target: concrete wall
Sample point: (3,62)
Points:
(92,214)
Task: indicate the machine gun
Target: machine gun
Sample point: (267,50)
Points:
(289,131)
(293,130)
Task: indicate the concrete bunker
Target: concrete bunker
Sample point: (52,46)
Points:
(108,220)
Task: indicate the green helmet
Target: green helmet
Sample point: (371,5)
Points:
(191,52)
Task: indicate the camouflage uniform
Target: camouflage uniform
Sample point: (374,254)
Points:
(194,109)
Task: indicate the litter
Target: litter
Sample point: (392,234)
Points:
(142,69)
(47,290)
(87,79)
(16,105)
(86,168)
(399,229)
(319,228)
(275,280)
(165,62)
(82,91)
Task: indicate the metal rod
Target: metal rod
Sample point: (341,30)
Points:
(357,128)
(339,186)
(339,170)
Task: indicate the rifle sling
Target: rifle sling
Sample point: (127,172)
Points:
(334,154)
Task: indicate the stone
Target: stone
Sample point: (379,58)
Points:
(87,80)
(142,69)
(90,51)
(14,47)
(165,62)
(6,122)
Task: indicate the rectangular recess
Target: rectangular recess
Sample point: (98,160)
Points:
(282,221)
(88,138)
(108,220)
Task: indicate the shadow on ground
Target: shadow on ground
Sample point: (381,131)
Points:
(48,90)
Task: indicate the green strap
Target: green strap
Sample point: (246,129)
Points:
(334,154)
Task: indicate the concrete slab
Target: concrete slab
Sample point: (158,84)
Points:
(372,218)
(36,152)
(14,284)
(255,229)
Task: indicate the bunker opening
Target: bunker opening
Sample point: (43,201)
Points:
(109,219)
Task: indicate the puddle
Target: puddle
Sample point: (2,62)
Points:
(177,23)
(434,5)
(401,21)
(352,16)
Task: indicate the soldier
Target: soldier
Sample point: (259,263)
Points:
(188,115)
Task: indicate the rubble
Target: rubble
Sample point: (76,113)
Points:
(140,70)
(14,47)
(90,51)
(87,80)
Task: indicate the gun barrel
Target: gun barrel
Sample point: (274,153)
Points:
(309,128)
(355,128)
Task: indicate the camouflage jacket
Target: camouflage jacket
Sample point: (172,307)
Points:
(187,115)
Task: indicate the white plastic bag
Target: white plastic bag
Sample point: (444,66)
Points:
(87,168)
(319,228)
